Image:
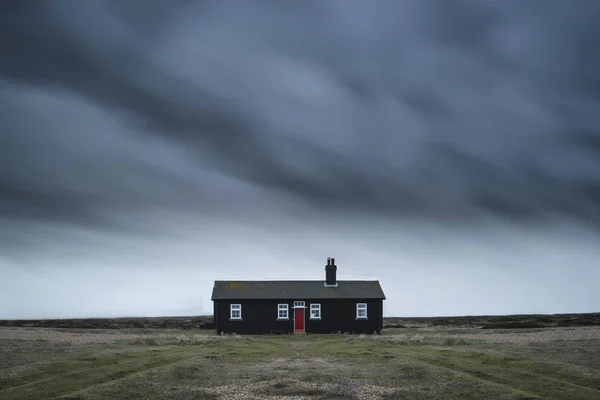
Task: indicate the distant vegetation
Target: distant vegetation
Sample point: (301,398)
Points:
(513,325)
(197,322)
(498,321)
(206,322)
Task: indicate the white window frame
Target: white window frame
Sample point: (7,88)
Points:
(283,307)
(361,307)
(298,304)
(233,308)
(315,307)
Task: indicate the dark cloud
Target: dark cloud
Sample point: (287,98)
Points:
(413,109)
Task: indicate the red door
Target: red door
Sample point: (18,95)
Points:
(299,319)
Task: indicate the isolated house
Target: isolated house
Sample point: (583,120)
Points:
(254,307)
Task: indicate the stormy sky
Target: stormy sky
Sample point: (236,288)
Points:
(449,149)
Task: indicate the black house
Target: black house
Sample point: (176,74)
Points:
(255,307)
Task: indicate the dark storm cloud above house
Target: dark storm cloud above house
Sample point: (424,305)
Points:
(421,110)
(449,149)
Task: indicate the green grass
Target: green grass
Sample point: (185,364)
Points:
(181,365)
(65,377)
(519,376)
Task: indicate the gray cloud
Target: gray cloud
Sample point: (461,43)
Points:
(450,149)
(421,110)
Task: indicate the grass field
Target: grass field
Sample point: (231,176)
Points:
(410,363)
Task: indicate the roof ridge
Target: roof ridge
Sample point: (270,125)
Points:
(272,289)
(293,280)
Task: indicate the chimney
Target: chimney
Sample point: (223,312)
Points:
(330,271)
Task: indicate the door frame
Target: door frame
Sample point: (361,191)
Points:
(303,307)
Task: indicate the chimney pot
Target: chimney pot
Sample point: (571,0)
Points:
(330,272)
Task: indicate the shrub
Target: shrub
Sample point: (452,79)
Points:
(512,325)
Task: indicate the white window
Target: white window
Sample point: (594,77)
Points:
(361,310)
(315,311)
(235,311)
(298,304)
(282,311)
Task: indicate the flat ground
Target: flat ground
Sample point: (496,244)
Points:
(410,363)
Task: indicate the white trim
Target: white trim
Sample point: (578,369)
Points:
(361,307)
(235,307)
(299,304)
(318,308)
(283,307)
(326,285)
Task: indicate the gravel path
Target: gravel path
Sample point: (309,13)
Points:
(260,390)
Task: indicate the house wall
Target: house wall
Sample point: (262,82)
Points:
(260,316)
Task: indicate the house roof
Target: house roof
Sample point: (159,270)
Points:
(247,290)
